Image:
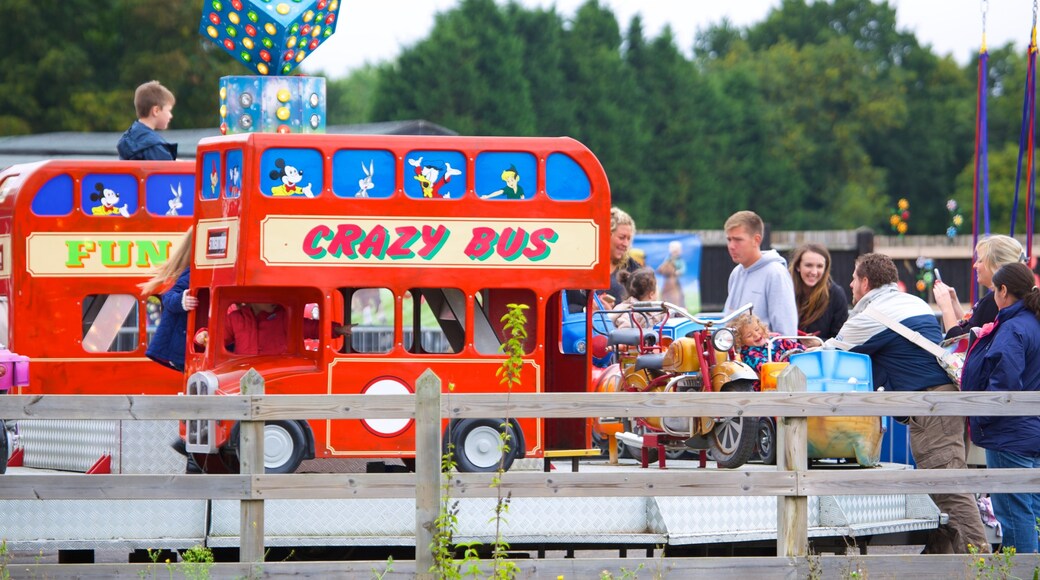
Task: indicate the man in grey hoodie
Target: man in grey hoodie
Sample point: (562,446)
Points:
(760,278)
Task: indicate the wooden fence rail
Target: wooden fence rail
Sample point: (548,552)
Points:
(791,483)
(452,405)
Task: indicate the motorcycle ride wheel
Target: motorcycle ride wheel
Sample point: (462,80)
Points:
(602,443)
(478,446)
(732,440)
(766,441)
(631,451)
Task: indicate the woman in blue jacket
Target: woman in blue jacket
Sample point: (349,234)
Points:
(1006,357)
(168,344)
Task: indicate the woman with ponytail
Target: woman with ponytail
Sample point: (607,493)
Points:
(1006,357)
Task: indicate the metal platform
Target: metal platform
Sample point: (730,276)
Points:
(572,522)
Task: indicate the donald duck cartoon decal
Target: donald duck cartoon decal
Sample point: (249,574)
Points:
(433,176)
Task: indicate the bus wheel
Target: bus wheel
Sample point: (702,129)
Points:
(478,445)
(284,446)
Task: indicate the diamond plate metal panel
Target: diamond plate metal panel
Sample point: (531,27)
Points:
(814,511)
(921,507)
(700,515)
(396,517)
(317,518)
(101,520)
(65,444)
(843,510)
(590,538)
(556,516)
(146,447)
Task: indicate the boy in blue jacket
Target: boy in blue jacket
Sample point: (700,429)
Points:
(141,142)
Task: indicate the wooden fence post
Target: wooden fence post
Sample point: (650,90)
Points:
(427,468)
(792,525)
(251,461)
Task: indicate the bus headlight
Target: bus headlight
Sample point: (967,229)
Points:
(200,434)
(202,383)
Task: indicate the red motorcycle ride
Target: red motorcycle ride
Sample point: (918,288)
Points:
(683,353)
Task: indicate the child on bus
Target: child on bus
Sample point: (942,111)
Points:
(154,104)
(641,286)
(171,337)
(263,328)
(752,341)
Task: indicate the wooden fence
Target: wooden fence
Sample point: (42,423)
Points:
(792,483)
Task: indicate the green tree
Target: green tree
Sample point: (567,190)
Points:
(602,86)
(825,101)
(65,73)
(717,41)
(923,154)
(542,32)
(468,75)
(1002,162)
(674,170)
(351,99)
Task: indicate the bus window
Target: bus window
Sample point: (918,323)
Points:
(291,173)
(170,195)
(565,180)
(210,185)
(153,310)
(201,321)
(113,195)
(5,339)
(435,175)
(372,316)
(434,320)
(363,173)
(489,333)
(110,323)
(252,328)
(505,176)
(55,197)
(234,173)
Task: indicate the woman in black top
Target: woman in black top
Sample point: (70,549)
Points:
(822,305)
(991,253)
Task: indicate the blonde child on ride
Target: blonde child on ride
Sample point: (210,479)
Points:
(752,342)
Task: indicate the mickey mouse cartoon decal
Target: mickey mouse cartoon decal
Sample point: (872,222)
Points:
(108,199)
(290,177)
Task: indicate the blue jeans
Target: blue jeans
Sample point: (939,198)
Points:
(1016,512)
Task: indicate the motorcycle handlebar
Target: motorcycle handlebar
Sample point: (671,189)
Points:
(655,305)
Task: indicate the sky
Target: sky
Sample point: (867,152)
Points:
(374,31)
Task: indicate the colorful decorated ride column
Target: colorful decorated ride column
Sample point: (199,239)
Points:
(271,37)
